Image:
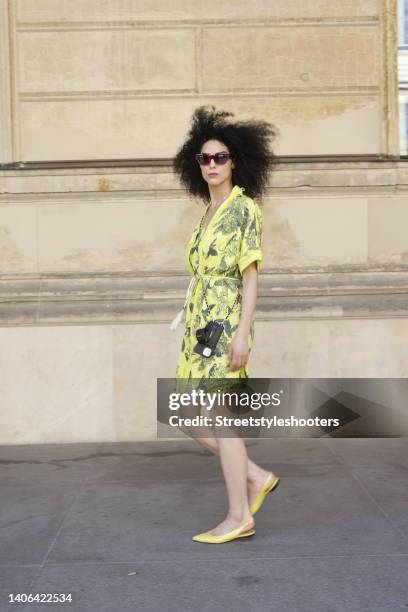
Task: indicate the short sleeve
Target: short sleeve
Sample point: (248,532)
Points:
(251,238)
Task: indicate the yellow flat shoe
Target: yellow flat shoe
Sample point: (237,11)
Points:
(260,498)
(209,538)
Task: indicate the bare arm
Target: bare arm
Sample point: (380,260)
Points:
(238,350)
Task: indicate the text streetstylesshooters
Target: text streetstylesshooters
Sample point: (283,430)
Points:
(292,421)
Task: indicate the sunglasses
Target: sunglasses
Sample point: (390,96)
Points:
(204,159)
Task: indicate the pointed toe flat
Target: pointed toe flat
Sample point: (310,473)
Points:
(241,532)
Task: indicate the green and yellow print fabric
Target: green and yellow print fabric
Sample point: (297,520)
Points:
(229,243)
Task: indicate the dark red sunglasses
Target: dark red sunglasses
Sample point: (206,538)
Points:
(204,159)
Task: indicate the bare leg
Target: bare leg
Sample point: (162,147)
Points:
(243,477)
(256,476)
(234,462)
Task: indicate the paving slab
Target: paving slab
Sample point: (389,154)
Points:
(153,520)
(311,584)
(389,489)
(188,460)
(31,516)
(49,462)
(15,580)
(79,518)
(370,452)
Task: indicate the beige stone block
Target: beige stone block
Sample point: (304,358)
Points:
(98,383)
(177,10)
(344,125)
(56,384)
(314,231)
(116,60)
(102,129)
(387,229)
(297,58)
(336,348)
(83,383)
(18,239)
(100,182)
(121,236)
(125,236)
(142,353)
(109,129)
(288,178)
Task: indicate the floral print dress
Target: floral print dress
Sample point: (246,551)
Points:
(216,257)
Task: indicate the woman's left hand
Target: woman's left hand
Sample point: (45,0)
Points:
(238,351)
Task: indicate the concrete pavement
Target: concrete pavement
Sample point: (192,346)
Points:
(79,518)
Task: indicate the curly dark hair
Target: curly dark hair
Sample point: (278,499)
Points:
(248,140)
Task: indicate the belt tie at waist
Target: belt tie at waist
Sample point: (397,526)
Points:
(177,319)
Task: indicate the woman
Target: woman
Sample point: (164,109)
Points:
(219,161)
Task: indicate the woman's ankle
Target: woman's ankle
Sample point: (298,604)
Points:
(240,516)
(256,473)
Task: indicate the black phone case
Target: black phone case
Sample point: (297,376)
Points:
(218,328)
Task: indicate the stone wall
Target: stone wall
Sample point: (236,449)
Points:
(90,281)
(114,79)
(91,256)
